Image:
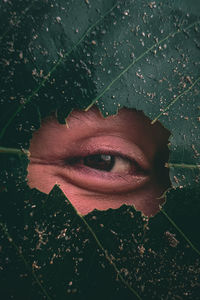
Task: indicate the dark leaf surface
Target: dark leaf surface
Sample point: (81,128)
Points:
(64,55)
(55,256)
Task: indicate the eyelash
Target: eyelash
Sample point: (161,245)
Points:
(74,160)
(81,175)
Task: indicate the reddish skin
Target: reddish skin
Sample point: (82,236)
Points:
(129,133)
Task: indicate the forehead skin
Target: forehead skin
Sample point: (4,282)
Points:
(130,128)
(129,124)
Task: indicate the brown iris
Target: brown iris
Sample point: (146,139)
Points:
(100,162)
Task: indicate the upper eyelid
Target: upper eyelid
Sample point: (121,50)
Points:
(105,144)
(63,161)
(132,157)
(69,160)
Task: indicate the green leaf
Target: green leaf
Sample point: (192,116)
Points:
(54,255)
(64,55)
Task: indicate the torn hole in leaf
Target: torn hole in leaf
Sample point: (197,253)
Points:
(102,163)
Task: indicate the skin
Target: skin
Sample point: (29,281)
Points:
(140,150)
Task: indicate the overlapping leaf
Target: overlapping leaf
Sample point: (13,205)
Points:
(60,55)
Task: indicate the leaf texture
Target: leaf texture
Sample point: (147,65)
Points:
(64,55)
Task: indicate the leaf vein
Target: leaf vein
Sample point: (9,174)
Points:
(42,83)
(175,100)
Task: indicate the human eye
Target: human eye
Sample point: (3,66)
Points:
(102,163)
(106,170)
(106,162)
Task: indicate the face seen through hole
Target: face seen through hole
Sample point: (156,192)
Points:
(102,163)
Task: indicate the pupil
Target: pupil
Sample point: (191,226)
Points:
(100,162)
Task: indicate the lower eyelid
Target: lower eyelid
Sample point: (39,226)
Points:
(103,182)
(94,180)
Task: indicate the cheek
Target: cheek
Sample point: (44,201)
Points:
(144,200)
(41,177)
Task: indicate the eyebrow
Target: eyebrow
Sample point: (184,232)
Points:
(92,113)
(78,115)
